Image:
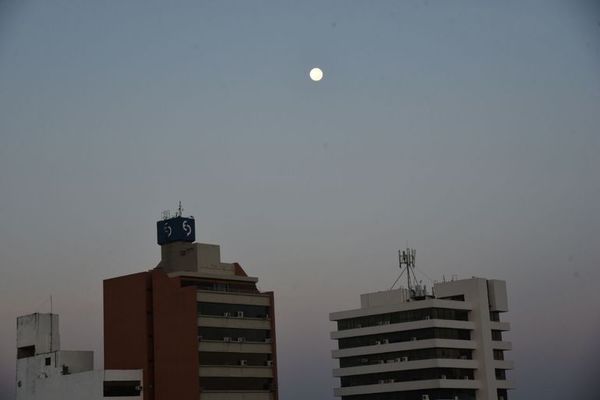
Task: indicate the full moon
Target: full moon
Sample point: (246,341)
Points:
(316,74)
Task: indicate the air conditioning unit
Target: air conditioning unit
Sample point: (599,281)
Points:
(404,359)
(378,342)
(443,377)
(241,339)
(240,314)
(386,322)
(385,341)
(227,315)
(138,388)
(227,339)
(390,361)
(427,317)
(243,362)
(425,397)
(269,363)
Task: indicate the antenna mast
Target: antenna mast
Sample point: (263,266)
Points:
(406,260)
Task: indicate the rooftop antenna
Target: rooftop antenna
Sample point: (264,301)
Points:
(179,210)
(406,261)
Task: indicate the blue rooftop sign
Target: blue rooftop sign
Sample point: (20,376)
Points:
(177,229)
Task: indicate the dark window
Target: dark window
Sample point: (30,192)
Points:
(26,351)
(461,394)
(247,335)
(502,394)
(217,358)
(122,388)
(498,354)
(48,361)
(233,310)
(225,383)
(222,286)
(494,316)
(400,356)
(403,316)
(501,374)
(393,337)
(497,335)
(404,376)
(460,297)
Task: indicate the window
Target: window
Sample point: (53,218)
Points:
(409,355)
(408,375)
(48,361)
(405,336)
(403,316)
(26,351)
(249,335)
(500,374)
(221,309)
(229,383)
(122,388)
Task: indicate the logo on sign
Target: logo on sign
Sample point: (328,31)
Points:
(187,228)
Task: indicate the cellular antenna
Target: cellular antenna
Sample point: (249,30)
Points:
(406,261)
(179,212)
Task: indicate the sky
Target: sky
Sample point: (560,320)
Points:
(467,129)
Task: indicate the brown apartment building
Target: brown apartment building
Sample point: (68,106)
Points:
(199,328)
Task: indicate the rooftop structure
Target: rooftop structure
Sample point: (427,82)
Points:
(45,372)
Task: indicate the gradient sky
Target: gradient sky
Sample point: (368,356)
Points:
(469,129)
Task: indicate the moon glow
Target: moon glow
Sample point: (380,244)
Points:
(316,74)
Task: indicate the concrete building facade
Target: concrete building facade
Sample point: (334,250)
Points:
(448,345)
(45,372)
(199,328)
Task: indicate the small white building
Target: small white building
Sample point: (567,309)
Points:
(403,346)
(45,372)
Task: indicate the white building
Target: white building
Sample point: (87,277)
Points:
(445,346)
(45,372)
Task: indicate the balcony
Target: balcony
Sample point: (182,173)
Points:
(504,364)
(398,365)
(403,326)
(235,347)
(233,322)
(406,386)
(501,345)
(403,346)
(236,371)
(236,395)
(256,299)
(500,326)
